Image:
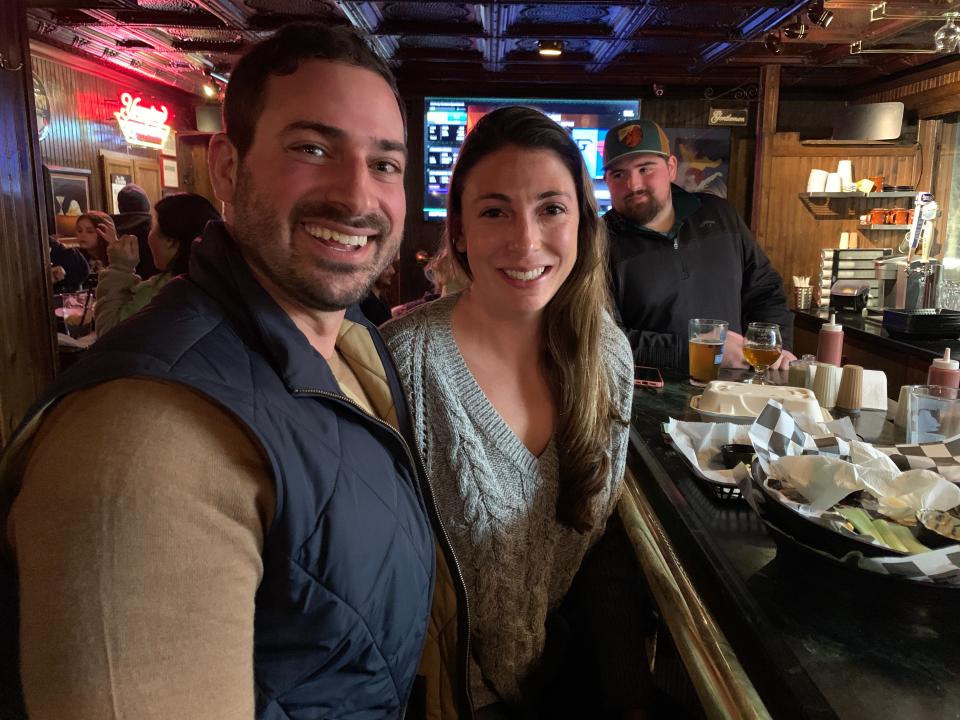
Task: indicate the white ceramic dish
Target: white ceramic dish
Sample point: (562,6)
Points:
(708,416)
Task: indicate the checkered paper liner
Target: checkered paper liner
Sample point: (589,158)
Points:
(775,435)
(941,457)
(699,443)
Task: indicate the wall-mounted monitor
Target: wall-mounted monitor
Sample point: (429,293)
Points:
(447,121)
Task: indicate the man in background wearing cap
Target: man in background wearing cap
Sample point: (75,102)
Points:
(134,219)
(676,255)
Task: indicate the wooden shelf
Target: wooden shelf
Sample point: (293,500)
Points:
(884,226)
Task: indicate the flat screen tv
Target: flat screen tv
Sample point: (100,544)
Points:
(447,120)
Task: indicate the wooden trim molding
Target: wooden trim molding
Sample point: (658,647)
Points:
(930,93)
(723,687)
(788,144)
(766,132)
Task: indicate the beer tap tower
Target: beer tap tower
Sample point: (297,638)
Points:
(918,281)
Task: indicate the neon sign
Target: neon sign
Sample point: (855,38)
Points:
(142,126)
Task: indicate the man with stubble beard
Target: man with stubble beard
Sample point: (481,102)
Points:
(216,514)
(676,255)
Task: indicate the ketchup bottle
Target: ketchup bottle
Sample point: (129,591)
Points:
(830,342)
(944,371)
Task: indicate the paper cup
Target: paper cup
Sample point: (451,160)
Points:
(826,384)
(833,183)
(845,171)
(902,418)
(850,394)
(817,180)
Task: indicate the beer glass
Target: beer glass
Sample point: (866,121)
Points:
(761,348)
(706,338)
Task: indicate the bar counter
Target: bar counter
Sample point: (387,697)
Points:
(793,634)
(866,343)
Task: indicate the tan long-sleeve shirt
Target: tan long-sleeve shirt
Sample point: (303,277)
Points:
(138,534)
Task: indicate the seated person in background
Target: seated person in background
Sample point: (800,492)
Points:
(373,306)
(520,389)
(445,277)
(134,219)
(91,232)
(676,255)
(180,220)
(68,267)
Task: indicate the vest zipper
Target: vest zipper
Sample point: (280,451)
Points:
(418,467)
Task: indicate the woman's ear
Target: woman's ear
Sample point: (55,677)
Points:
(456,234)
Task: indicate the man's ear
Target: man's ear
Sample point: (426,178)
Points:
(223,164)
(672,167)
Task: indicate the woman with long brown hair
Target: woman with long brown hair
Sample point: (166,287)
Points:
(92,230)
(520,389)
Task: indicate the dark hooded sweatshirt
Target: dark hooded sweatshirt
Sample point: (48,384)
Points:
(707,266)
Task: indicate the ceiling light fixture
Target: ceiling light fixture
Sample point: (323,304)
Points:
(819,15)
(209,87)
(550,48)
(797,30)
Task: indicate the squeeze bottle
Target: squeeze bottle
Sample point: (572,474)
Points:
(830,342)
(944,371)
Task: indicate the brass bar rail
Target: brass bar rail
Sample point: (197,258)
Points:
(721,683)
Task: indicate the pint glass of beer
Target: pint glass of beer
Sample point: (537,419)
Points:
(706,349)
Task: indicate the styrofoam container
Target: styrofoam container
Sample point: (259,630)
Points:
(733,401)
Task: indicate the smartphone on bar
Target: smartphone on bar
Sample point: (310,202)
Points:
(647,377)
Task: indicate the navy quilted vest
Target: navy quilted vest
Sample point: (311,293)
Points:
(342,610)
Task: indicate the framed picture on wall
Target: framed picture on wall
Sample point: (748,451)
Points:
(703,158)
(170,146)
(168,167)
(117,182)
(69,196)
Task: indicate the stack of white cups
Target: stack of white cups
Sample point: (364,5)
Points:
(833,183)
(817,182)
(845,175)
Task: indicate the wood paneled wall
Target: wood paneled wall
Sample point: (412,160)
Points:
(792,231)
(82,105)
(26,335)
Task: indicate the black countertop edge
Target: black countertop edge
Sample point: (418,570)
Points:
(855,325)
(783,685)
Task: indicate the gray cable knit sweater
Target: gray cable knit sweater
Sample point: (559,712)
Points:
(497,500)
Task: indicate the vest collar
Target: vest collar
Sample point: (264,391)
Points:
(217,266)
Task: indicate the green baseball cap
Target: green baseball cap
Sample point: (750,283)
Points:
(634,137)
